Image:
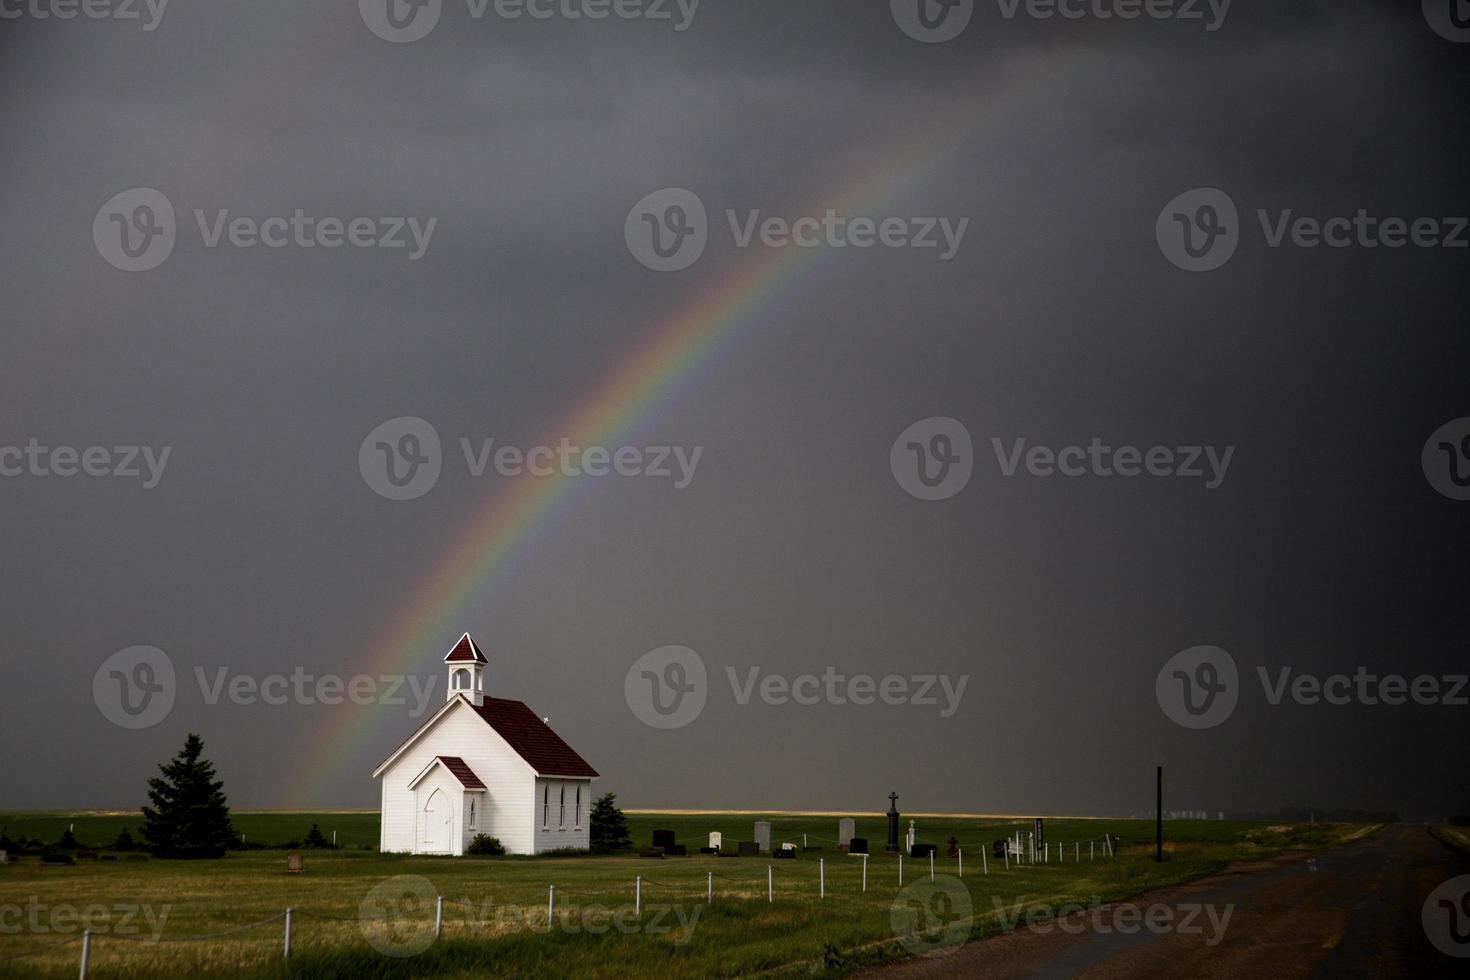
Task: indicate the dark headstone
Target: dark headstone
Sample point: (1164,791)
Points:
(749,848)
(725,852)
(924,850)
(859,845)
(892,822)
(663,838)
(782,854)
(677,850)
(709,850)
(651,852)
(954,848)
(998,849)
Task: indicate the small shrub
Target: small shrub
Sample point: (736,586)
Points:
(124,842)
(485,846)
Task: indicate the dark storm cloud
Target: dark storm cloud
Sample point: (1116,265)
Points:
(794,549)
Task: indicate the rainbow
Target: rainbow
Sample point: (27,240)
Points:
(671,354)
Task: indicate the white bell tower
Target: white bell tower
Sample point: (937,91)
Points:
(466,665)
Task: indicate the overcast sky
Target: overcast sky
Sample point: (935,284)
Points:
(261,548)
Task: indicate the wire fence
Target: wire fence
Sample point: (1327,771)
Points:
(795,880)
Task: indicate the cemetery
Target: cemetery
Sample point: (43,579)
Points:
(754,890)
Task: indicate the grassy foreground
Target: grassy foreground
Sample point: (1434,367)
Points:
(143,913)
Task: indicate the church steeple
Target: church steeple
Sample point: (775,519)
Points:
(466,671)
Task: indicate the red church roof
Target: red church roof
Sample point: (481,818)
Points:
(461,771)
(465,651)
(532,738)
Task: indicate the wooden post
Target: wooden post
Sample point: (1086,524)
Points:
(709,893)
(287,953)
(1159,820)
(984,862)
(438,916)
(770,885)
(931,865)
(865,874)
(86,951)
(638,895)
(961,852)
(822,878)
(550,905)
(900,870)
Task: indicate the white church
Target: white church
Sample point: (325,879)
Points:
(483,765)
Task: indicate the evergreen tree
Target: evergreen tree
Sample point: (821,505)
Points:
(316,841)
(189,817)
(124,842)
(609,830)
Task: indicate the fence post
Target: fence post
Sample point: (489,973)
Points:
(438,916)
(822,878)
(638,895)
(550,905)
(86,951)
(770,886)
(709,896)
(287,953)
(1091,850)
(984,863)
(931,865)
(961,852)
(865,874)
(1077,853)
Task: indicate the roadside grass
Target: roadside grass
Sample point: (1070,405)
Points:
(1455,838)
(495,913)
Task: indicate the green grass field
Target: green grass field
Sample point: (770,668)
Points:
(495,918)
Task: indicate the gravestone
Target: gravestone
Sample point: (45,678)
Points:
(784,853)
(954,848)
(910,839)
(4,858)
(678,851)
(652,852)
(763,835)
(892,822)
(999,849)
(663,838)
(788,846)
(749,848)
(923,850)
(846,829)
(714,839)
(294,865)
(858,845)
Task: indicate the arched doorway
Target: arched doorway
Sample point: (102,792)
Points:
(437,823)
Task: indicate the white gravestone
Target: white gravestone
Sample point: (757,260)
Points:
(911,837)
(763,836)
(714,839)
(846,831)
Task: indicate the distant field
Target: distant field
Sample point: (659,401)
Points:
(495,919)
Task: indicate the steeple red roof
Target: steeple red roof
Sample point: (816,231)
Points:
(465,651)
